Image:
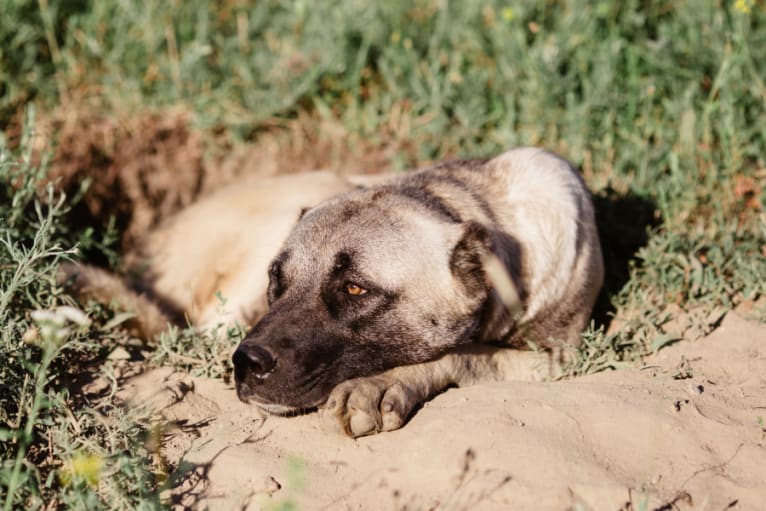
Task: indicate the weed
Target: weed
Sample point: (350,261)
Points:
(199,352)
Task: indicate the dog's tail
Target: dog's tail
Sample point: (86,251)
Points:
(90,283)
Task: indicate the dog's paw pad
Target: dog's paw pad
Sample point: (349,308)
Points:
(365,406)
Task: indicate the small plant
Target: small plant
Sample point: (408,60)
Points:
(295,472)
(199,352)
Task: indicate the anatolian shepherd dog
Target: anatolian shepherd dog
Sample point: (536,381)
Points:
(379,296)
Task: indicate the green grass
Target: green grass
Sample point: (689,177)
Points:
(662,105)
(199,352)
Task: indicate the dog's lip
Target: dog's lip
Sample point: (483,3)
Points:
(285,410)
(276,408)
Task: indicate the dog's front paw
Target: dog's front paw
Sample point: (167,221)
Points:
(364,406)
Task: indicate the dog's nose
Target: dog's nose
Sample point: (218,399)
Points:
(252,360)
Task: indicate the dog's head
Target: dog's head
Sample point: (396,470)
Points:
(367,281)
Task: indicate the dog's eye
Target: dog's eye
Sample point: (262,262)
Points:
(355,290)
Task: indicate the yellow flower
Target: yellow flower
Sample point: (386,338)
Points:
(82,467)
(744,6)
(507,14)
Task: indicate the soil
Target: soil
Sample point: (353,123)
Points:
(685,431)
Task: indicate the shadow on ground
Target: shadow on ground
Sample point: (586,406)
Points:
(624,221)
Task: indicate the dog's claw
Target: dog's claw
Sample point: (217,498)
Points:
(364,406)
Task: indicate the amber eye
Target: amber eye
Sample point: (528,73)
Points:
(355,290)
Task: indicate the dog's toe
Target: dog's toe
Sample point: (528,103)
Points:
(362,407)
(333,412)
(361,424)
(396,405)
(351,408)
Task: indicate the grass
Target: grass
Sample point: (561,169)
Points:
(662,105)
(199,352)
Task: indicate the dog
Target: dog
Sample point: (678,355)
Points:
(382,294)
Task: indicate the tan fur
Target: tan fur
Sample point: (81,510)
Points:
(207,264)
(219,248)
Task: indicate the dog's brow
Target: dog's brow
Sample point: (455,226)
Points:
(342,262)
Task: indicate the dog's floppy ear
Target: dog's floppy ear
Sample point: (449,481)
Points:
(468,256)
(487,263)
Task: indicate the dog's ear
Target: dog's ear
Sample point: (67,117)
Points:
(303,213)
(468,256)
(487,264)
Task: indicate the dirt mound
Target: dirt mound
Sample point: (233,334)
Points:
(684,432)
(144,167)
(140,169)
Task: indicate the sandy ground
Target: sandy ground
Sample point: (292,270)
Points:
(687,431)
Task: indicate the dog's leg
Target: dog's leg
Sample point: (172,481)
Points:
(91,283)
(363,406)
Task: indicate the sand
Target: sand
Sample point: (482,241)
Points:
(687,430)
